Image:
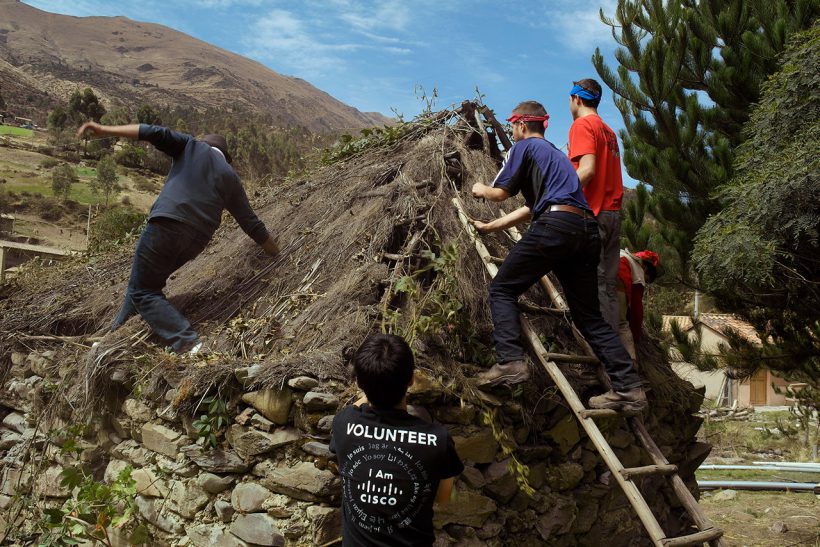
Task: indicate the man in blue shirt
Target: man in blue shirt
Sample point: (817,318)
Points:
(200,185)
(563,238)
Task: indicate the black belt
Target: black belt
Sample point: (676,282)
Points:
(571,209)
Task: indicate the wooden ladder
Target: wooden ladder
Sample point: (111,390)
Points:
(625,476)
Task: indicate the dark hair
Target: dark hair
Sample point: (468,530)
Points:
(383,365)
(593,87)
(651,272)
(532,108)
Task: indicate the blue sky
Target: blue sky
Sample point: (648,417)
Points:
(376,55)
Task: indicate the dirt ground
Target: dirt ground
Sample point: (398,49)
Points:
(757,518)
(70,236)
(779,519)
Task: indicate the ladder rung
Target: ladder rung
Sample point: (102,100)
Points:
(632,472)
(597,412)
(694,539)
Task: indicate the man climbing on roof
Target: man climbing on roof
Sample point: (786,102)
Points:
(200,185)
(563,238)
(594,152)
(634,273)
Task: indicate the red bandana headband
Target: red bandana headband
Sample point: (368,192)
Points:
(527,118)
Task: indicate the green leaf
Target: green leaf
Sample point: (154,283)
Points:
(139,536)
(72,478)
(53,516)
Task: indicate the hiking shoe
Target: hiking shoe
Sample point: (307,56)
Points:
(633,400)
(511,373)
(193,349)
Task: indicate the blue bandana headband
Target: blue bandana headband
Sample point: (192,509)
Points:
(583,93)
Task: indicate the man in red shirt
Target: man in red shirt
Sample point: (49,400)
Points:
(634,273)
(593,150)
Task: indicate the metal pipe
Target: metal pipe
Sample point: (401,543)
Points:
(794,465)
(774,467)
(761,486)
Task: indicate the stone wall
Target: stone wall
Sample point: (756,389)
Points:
(274,482)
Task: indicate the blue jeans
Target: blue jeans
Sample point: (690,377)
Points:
(164,246)
(568,245)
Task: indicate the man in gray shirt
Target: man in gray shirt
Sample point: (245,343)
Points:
(200,185)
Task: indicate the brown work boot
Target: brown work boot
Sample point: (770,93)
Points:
(631,401)
(511,373)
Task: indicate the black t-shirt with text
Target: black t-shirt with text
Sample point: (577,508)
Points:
(391,464)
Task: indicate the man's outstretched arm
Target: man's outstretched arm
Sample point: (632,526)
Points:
(489,192)
(130,131)
(502,223)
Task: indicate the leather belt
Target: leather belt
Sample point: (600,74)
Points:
(571,209)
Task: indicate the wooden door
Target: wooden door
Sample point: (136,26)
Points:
(758,388)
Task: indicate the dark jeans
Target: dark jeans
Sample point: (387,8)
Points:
(165,245)
(570,246)
(609,228)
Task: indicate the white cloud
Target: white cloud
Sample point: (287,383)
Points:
(224,4)
(578,23)
(283,37)
(377,16)
(312,39)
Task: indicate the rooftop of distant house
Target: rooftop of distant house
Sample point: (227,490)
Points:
(718,322)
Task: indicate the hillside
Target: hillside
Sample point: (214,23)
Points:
(44,57)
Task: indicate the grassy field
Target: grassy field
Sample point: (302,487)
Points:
(22,174)
(15,131)
(23,171)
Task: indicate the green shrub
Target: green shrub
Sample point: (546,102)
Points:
(49,163)
(130,155)
(6,201)
(50,210)
(144,184)
(115,226)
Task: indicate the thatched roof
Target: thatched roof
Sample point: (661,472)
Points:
(362,245)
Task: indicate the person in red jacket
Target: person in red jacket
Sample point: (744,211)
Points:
(634,272)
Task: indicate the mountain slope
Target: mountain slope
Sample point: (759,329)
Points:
(133,62)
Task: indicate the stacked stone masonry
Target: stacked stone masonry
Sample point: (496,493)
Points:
(273,481)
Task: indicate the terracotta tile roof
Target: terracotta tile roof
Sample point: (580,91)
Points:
(719,322)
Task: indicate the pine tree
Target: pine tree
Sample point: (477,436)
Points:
(635,231)
(761,254)
(689,71)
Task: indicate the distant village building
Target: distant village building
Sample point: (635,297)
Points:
(23,121)
(755,391)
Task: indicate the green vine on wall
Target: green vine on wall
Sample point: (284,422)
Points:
(435,308)
(93,508)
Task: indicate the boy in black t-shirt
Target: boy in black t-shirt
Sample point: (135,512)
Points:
(393,465)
